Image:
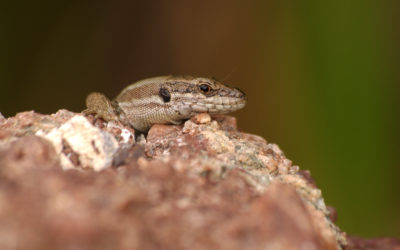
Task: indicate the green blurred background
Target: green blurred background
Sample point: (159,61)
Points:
(321,77)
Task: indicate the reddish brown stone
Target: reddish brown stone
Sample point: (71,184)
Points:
(29,153)
(202,118)
(228,123)
(307,175)
(2,118)
(384,243)
(160,131)
(193,186)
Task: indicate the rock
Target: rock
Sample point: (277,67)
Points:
(227,123)
(161,130)
(2,118)
(357,243)
(200,185)
(202,118)
(28,154)
(78,142)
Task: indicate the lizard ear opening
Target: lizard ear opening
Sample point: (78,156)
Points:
(165,95)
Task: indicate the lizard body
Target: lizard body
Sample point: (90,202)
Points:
(166,100)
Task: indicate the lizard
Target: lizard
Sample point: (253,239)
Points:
(165,100)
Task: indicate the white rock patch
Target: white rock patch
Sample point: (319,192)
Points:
(95,148)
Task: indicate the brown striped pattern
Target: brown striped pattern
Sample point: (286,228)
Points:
(141,105)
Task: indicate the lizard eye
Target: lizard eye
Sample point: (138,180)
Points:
(205,88)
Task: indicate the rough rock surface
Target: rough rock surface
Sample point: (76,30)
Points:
(70,182)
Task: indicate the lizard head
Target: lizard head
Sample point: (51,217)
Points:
(199,95)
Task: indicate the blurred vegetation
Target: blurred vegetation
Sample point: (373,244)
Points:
(321,76)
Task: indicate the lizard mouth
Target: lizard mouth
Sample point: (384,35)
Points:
(222,101)
(219,105)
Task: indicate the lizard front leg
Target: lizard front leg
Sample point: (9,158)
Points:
(101,106)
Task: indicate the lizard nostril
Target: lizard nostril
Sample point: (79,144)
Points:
(241,94)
